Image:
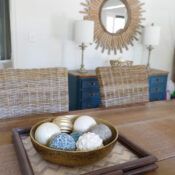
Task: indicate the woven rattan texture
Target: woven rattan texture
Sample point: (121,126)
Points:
(33,91)
(123,85)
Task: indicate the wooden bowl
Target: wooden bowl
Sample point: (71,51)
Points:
(74,158)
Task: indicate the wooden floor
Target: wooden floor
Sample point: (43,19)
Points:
(119,117)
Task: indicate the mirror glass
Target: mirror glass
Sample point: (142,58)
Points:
(114,16)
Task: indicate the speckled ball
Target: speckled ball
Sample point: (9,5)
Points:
(76,135)
(62,141)
(103,131)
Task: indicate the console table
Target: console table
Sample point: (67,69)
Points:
(84,88)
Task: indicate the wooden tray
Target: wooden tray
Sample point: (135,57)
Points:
(144,163)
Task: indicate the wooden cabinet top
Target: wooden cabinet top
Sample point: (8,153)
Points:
(92,74)
(153,72)
(88,74)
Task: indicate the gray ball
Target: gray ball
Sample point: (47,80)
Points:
(103,131)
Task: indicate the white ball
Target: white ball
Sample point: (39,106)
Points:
(88,142)
(84,123)
(45,131)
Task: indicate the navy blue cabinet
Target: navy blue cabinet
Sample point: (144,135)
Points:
(157,87)
(84,90)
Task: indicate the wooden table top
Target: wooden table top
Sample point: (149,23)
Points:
(118,116)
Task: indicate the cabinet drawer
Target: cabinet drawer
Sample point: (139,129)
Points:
(157,96)
(91,94)
(90,100)
(90,103)
(158,80)
(89,83)
(157,89)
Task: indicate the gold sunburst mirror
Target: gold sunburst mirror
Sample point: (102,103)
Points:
(117,22)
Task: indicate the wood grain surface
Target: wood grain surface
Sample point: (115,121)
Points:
(118,116)
(153,135)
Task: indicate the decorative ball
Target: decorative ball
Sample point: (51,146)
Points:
(76,135)
(84,123)
(62,141)
(45,131)
(64,123)
(103,131)
(88,142)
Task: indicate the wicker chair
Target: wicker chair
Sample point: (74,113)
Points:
(33,91)
(123,85)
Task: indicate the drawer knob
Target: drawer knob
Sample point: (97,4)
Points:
(92,94)
(157,80)
(92,83)
(157,89)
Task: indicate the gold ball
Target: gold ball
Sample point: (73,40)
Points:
(64,123)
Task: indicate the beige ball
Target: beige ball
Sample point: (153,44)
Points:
(84,123)
(45,131)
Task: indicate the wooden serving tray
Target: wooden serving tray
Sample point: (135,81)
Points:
(143,163)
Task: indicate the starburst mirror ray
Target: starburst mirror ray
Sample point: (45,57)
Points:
(117,22)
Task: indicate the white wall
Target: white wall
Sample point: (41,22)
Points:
(42,34)
(163,14)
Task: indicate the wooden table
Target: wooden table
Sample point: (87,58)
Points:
(120,117)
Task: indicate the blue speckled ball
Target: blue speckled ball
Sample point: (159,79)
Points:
(76,135)
(63,141)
